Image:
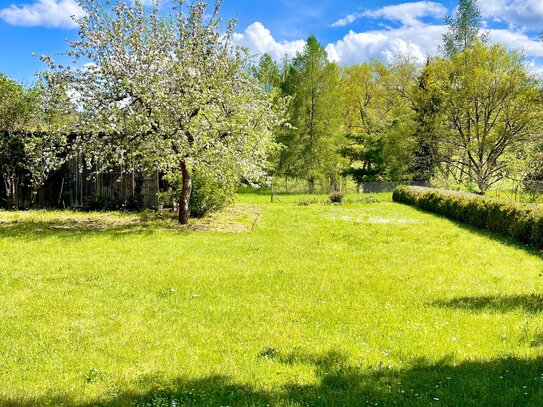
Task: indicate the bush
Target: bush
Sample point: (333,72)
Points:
(518,221)
(209,195)
(308,201)
(336,197)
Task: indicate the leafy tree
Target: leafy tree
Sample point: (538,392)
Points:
(489,107)
(397,83)
(315,114)
(379,120)
(169,92)
(464,28)
(424,162)
(17,116)
(268,73)
(364,148)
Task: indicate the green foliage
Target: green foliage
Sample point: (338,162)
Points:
(488,108)
(464,28)
(312,142)
(426,105)
(520,222)
(378,120)
(336,197)
(210,195)
(18,106)
(268,74)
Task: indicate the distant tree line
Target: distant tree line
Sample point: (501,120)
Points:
(172,93)
(468,118)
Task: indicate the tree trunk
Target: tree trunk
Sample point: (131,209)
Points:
(15,192)
(186,191)
(311,182)
(482,185)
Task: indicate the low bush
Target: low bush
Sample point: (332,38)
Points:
(336,197)
(310,201)
(208,194)
(519,221)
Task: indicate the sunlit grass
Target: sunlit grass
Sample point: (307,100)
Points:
(283,304)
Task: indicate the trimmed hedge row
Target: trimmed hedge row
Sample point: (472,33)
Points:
(521,222)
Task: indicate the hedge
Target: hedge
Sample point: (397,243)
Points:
(523,223)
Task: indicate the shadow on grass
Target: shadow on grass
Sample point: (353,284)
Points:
(503,382)
(505,240)
(78,228)
(34,225)
(531,303)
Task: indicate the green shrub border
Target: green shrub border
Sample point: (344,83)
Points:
(523,223)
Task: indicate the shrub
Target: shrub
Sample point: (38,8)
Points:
(362,199)
(307,201)
(336,197)
(519,221)
(209,195)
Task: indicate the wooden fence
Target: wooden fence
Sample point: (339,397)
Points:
(74,185)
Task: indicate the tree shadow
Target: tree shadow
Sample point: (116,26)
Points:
(502,382)
(73,225)
(73,228)
(530,303)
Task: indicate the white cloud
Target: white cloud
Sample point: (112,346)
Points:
(523,14)
(348,19)
(417,42)
(48,13)
(409,14)
(258,39)
(532,47)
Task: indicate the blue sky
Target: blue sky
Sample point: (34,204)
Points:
(352,31)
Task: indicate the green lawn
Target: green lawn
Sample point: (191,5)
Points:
(360,304)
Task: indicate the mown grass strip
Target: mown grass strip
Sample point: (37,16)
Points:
(521,222)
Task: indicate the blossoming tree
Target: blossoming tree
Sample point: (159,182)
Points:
(169,91)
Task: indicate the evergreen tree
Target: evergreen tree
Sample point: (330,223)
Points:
(315,114)
(268,73)
(426,106)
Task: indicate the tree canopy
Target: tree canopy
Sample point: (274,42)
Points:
(170,92)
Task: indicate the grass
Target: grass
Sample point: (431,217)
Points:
(280,304)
